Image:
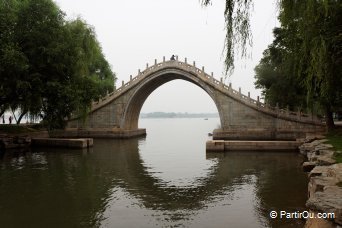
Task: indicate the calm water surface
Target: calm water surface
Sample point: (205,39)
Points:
(163,180)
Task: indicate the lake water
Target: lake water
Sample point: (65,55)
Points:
(164,180)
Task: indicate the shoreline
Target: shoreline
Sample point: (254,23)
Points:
(325,175)
(325,179)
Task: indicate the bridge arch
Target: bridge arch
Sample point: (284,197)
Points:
(241,117)
(150,84)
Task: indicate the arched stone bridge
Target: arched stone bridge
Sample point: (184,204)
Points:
(242,117)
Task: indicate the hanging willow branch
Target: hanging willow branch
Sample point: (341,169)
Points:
(238,30)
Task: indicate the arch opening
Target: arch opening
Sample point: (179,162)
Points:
(178,98)
(131,115)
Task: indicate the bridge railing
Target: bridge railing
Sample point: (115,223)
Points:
(218,84)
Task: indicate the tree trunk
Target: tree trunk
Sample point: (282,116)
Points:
(329,121)
(20,117)
(14,115)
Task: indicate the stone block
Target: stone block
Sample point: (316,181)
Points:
(329,201)
(318,171)
(318,223)
(58,142)
(308,166)
(329,153)
(318,183)
(215,145)
(335,171)
(325,160)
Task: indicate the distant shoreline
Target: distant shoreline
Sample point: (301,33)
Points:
(177,115)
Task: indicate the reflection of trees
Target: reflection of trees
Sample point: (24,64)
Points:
(54,189)
(281,185)
(74,187)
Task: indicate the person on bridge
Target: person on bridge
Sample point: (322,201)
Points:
(173,57)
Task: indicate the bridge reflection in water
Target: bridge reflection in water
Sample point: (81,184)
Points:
(111,186)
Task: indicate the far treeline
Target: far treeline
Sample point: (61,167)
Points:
(178,115)
(301,69)
(50,67)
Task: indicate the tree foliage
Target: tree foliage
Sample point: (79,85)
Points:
(238,30)
(49,67)
(275,74)
(305,58)
(316,35)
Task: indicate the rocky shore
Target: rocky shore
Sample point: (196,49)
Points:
(11,142)
(325,183)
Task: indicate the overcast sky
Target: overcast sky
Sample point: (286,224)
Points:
(135,32)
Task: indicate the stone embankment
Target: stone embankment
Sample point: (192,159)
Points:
(68,143)
(8,141)
(243,145)
(325,183)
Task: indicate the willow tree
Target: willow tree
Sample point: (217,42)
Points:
(238,30)
(316,38)
(275,74)
(49,67)
(92,76)
(13,62)
(318,58)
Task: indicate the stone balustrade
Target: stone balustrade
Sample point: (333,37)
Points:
(209,79)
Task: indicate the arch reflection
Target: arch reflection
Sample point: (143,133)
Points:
(76,188)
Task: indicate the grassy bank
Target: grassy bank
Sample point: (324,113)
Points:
(335,139)
(19,129)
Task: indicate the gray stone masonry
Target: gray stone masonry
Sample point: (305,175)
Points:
(240,115)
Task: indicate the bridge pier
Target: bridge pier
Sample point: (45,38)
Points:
(114,133)
(221,145)
(259,134)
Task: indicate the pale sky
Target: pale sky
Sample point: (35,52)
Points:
(135,32)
